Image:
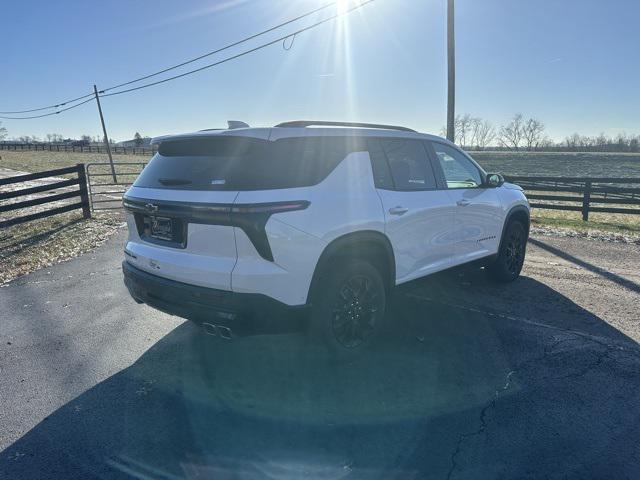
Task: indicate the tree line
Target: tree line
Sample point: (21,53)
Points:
(138,139)
(529,134)
(471,133)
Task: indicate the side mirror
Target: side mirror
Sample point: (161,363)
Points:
(494,180)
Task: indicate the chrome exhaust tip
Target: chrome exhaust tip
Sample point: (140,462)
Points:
(210,329)
(218,331)
(225,332)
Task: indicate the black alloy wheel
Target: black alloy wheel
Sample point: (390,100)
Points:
(355,313)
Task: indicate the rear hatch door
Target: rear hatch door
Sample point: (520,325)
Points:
(179,209)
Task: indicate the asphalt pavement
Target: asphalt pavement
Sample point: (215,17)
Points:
(532,380)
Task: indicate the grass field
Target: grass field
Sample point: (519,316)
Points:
(561,164)
(30,161)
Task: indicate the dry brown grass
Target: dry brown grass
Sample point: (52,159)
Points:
(42,243)
(623,224)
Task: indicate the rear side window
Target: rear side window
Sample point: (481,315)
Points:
(240,163)
(409,165)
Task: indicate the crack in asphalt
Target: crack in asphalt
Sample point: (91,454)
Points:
(492,404)
(605,342)
(18,283)
(608,345)
(593,365)
(548,351)
(483,424)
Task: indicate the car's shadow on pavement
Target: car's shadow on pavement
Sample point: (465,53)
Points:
(451,392)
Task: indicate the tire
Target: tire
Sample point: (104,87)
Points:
(513,246)
(349,306)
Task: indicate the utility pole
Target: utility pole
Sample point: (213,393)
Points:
(106,137)
(451,61)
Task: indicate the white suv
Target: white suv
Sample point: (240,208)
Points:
(241,229)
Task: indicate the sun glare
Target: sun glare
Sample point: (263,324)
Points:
(343,5)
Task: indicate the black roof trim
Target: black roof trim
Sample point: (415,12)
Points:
(308,123)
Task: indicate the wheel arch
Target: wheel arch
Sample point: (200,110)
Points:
(520,213)
(369,245)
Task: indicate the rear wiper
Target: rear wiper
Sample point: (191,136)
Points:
(174,181)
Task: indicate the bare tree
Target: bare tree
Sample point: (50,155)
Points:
(532,133)
(463,129)
(3,132)
(546,143)
(483,133)
(572,142)
(511,134)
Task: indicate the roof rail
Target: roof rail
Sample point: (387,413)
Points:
(308,123)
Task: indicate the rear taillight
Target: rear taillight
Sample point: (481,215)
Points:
(253,217)
(271,208)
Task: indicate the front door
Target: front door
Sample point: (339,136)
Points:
(479,213)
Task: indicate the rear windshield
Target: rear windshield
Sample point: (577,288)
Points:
(240,163)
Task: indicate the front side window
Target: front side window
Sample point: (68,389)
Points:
(458,170)
(409,165)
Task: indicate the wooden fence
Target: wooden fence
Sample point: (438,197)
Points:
(104,193)
(55,147)
(582,194)
(80,193)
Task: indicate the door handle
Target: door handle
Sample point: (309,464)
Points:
(463,202)
(398,210)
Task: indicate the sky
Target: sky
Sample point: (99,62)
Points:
(571,63)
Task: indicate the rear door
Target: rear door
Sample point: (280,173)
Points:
(179,209)
(479,213)
(419,218)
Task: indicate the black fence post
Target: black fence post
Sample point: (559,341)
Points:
(585,200)
(84,195)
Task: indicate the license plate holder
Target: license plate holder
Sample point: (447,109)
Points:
(161,228)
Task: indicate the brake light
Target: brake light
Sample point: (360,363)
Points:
(271,208)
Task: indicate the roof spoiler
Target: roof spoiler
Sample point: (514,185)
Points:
(232,125)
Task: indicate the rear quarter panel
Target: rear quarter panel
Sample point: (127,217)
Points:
(344,202)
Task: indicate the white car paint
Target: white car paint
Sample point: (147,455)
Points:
(434,233)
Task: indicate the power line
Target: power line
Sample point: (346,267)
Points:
(51,113)
(191,72)
(242,54)
(61,104)
(195,59)
(227,47)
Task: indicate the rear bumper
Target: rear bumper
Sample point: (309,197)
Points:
(243,313)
